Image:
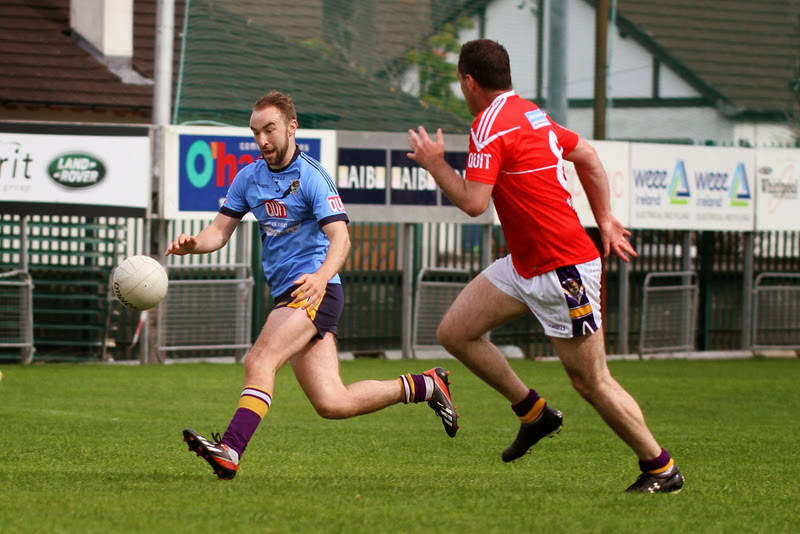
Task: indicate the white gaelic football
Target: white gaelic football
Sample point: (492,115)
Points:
(140,283)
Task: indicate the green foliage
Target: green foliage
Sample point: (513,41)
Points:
(436,73)
(320,46)
(97,448)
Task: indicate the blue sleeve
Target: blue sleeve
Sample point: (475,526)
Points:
(324,198)
(235,204)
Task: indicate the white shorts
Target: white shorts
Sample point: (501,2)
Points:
(566,301)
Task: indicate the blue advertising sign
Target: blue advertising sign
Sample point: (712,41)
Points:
(377,182)
(209,163)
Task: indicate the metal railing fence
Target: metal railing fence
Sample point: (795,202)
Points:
(776,308)
(669,312)
(16,313)
(71,258)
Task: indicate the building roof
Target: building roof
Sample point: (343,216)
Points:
(743,55)
(740,53)
(229,61)
(745,51)
(42,64)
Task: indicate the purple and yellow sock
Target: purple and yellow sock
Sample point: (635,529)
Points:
(414,388)
(660,464)
(529,408)
(254,404)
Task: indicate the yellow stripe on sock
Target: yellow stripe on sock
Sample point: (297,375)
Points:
(665,468)
(257,405)
(410,380)
(534,413)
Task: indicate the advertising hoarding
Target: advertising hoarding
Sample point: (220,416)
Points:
(776,189)
(74,170)
(616,162)
(692,187)
(201,162)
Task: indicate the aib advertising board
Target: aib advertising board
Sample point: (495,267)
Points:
(378,182)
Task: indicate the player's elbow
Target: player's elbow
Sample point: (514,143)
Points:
(474,208)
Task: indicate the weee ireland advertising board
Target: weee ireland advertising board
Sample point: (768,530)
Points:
(692,187)
(74,170)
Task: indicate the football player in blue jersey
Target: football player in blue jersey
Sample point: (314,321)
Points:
(305,243)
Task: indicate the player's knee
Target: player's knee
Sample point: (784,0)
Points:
(583,387)
(256,363)
(332,410)
(590,388)
(446,336)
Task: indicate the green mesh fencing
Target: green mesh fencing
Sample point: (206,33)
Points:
(343,62)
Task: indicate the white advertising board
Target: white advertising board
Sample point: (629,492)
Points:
(615,157)
(102,171)
(776,184)
(692,187)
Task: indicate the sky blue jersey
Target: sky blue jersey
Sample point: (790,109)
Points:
(291,206)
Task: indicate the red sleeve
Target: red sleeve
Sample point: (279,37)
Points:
(566,138)
(485,162)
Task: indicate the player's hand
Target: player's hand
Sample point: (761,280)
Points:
(615,239)
(426,151)
(311,288)
(182,245)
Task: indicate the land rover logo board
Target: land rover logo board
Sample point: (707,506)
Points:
(77,170)
(74,169)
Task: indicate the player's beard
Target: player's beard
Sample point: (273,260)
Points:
(276,158)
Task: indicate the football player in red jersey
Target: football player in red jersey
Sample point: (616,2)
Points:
(516,157)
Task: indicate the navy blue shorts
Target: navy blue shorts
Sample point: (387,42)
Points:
(324,314)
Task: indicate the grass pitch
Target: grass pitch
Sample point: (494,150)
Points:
(97,448)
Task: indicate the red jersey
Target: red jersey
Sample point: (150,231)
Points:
(514,146)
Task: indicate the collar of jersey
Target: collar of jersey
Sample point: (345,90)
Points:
(507,94)
(294,158)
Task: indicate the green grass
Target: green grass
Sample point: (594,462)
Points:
(96,448)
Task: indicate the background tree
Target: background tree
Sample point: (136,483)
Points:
(437,74)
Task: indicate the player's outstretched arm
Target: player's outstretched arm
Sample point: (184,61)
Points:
(471,197)
(595,183)
(212,237)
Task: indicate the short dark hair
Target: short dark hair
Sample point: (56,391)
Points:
(487,62)
(281,101)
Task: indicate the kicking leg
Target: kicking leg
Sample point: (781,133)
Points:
(317,371)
